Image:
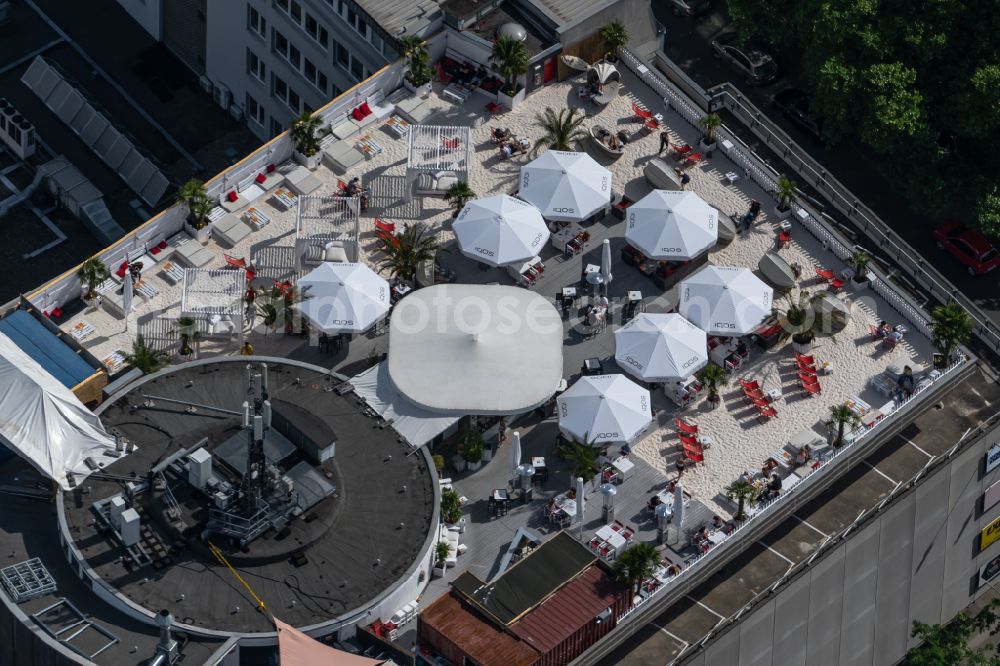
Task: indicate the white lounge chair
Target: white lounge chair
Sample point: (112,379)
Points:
(193,255)
(301,180)
(341,156)
(230,229)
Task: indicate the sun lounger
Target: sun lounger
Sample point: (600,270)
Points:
(194,255)
(341,156)
(414,110)
(230,229)
(301,180)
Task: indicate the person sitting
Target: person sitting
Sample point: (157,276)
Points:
(681,394)
(804,455)
(774,486)
(718,523)
(746,476)
(613,142)
(700,536)
(653,502)
(353,186)
(625,451)
(741,348)
(499,135)
(769,466)
(884,329)
(904,385)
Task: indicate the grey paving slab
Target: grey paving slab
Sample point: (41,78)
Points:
(740,580)
(857,490)
(794,540)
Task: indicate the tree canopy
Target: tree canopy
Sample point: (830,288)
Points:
(915,81)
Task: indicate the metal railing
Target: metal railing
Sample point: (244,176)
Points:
(836,193)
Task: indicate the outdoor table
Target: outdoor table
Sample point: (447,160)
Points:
(591,268)
(593,366)
(624,466)
(878,414)
(500,494)
(569,293)
(774,394)
(857,405)
(401,290)
(285,199)
(538,462)
(563,236)
(668,390)
(633,296)
(614,540)
(717,536)
(397,126)
(783,458)
(173,273)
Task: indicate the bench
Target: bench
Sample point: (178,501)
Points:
(230,229)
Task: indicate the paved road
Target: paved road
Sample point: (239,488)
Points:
(687,43)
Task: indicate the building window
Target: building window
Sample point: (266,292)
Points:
(255,111)
(282,5)
(315,77)
(343,56)
(296,12)
(279,43)
(294,103)
(279,88)
(357,69)
(294,57)
(316,31)
(376,40)
(256,22)
(276,127)
(321,82)
(363,28)
(256,66)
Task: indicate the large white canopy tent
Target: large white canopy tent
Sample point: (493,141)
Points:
(500,230)
(565,186)
(343,297)
(416,425)
(661,347)
(476,349)
(672,225)
(43,422)
(723,300)
(604,408)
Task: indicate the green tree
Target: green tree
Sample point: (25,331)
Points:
(947,645)
(92,273)
(192,194)
(187,328)
(305,133)
(451,506)
(635,565)
(896,114)
(414,49)
(615,35)
(408,249)
(988,211)
(582,456)
(785,192)
(711,123)
(712,378)
(951,326)
(560,130)
(510,59)
(441,552)
(859,263)
(842,418)
(458,195)
(145,358)
(741,492)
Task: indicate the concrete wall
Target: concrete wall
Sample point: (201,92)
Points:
(147,13)
(917,560)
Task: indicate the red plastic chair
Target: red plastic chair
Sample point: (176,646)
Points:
(695,456)
(451,144)
(875,331)
(387,227)
(233,262)
(686,428)
(812,389)
(692,158)
(681,151)
(802,358)
(808,378)
(652,124)
(784,238)
(889,343)
(493,108)
(751,396)
(836,284)
(689,440)
(641,114)
(767,413)
(825,273)
(749,385)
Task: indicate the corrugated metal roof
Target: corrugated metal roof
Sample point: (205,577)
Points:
(526,584)
(473,635)
(394,15)
(565,612)
(568,12)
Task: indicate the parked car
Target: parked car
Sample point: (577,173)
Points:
(797,107)
(689,7)
(970,247)
(757,65)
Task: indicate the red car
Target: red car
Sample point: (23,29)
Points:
(969,246)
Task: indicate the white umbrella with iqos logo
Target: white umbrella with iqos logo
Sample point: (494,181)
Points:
(565,186)
(672,225)
(604,408)
(661,347)
(500,230)
(343,297)
(721,300)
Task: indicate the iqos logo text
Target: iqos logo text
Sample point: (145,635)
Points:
(563,210)
(483,251)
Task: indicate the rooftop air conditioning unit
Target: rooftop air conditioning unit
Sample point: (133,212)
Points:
(222,96)
(605,616)
(206,84)
(236,111)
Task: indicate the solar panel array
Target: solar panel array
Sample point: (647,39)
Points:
(110,144)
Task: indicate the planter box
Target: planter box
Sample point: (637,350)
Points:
(311,163)
(421,91)
(458,462)
(858,285)
(200,235)
(439,572)
(782,214)
(509,102)
(474,466)
(707,147)
(488,454)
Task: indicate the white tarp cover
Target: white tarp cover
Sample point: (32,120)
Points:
(723,300)
(604,71)
(672,225)
(43,422)
(661,347)
(343,297)
(415,424)
(604,408)
(500,230)
(565,186)
(476,349)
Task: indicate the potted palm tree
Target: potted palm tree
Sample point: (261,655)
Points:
(712,378)
(740,491)
(784,194)
(187,328)
(268,313)
(582,456)
(636,565)
(441,552)
(841,419)
(951,327)
(560,131)
(451,507)
(615,35)
(438,463)
(510,59)
(408,249)
(711,123)
(859,264)
(472,449)
(193,196)
(458,195)
(92,273)
(144,358)
(305,135)
(798,321)
(419,74)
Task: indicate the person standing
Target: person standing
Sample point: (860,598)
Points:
(664,141)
